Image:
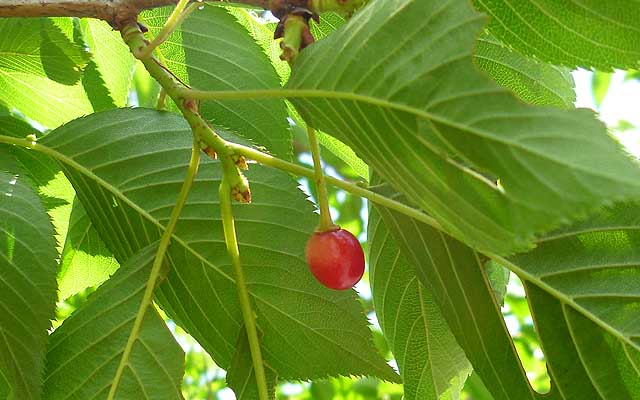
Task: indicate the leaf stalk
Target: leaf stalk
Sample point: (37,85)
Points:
(326,223)
(248,314)
(156,269)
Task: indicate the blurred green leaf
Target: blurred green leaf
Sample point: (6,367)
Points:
(600,85)
(322,390)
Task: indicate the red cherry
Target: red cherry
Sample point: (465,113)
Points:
(335,258)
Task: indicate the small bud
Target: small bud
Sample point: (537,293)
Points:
(240,161)
(241,192)
(210,152)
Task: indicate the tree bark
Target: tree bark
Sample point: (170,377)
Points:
(116,12)
(122,12)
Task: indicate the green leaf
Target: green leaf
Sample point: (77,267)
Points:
(42,47)
(582,285)
(27,287)
(127,167)
(476,389)
(87,348)
(111,56)
(499,278)
(147,89)
(531,80)
(600,86)
(241,377)
(212,51)
(40,69)
(96,88)
(431,363)
(492,170)
(262,33)
(12,125)
(601,34)
(329,23)
(455,276)
(86,261)
(345,153)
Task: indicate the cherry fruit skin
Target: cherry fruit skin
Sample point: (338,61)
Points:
(335,258)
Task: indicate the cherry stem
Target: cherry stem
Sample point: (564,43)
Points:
(326,223)
(350,187)
(248,315)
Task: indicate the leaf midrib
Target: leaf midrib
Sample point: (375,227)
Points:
(383,103)
(564,299)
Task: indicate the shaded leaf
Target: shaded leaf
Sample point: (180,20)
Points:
(454,274)
(241,377)
(444,134)
(12,125)
(262,33)
(85,351)
(27,287)
(582,285)
(130,209)
(431,363)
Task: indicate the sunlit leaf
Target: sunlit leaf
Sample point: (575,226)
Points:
(40,70)
(112,58)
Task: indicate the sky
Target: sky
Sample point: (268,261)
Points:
(622,103)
